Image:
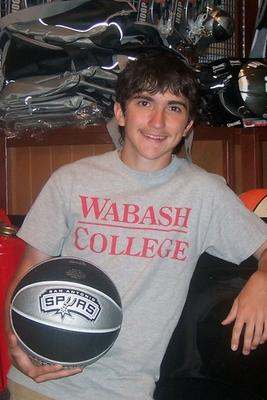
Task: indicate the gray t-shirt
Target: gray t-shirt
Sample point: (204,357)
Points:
(146,230)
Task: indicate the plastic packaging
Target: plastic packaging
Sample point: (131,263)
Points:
(43,102)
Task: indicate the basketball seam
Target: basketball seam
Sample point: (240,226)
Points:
(64,328)
(259,202)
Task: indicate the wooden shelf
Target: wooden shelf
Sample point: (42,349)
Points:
(94,134)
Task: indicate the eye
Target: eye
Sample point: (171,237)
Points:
(175,108)
(143,103)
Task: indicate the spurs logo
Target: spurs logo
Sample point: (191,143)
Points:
(66,302)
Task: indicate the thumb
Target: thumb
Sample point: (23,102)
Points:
(231,315)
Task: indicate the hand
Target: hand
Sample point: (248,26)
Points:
(39,373)
(249,311)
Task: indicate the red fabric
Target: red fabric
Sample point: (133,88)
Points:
(11,250)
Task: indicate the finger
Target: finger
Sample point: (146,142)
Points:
(39,373)
(42,370)
(258,331)
(25,364)
(248,337)
(63,373)
(14,349)
(237,329)
(231,315)
(18,357)
(264,334)
(12,341)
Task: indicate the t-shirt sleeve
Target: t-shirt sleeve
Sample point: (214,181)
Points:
(46,225)
(234,233)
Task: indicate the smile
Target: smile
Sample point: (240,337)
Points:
(154,136)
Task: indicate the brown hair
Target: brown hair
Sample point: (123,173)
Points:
(155,73)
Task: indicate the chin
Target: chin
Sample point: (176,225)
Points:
(160,158)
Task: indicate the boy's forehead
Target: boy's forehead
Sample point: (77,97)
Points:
(167,95)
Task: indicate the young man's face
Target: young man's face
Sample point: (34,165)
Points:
(154,124)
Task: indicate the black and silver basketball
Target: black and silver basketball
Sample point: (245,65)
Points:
(66,311)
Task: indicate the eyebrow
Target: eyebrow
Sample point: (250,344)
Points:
(171,102)
(178,102)
(143,97)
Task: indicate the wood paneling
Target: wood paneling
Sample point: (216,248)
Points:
(222,161)
(238,169)
(251,142)
(29,168)
(99,149)
(19,179)
(60,155)
(209,155)
(40,166)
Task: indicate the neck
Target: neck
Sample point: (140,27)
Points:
(143,164)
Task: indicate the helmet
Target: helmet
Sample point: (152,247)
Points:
(252,83)
(233,89)
(211,25)
(220,95)
(219,24)
(245,95)
(196,27)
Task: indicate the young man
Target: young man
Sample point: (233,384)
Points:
(144,216)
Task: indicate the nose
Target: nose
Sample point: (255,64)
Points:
(157,118)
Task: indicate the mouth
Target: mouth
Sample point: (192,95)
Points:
(154,136)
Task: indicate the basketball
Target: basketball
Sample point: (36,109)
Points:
(256,200)
(66,311)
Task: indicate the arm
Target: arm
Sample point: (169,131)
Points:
(39,373)
(249,310)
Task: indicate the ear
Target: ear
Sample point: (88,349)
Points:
(188,127)
(119,115)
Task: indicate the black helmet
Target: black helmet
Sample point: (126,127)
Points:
(219,24)
(252,83)
(211,25)
(245,95)
(233,89)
